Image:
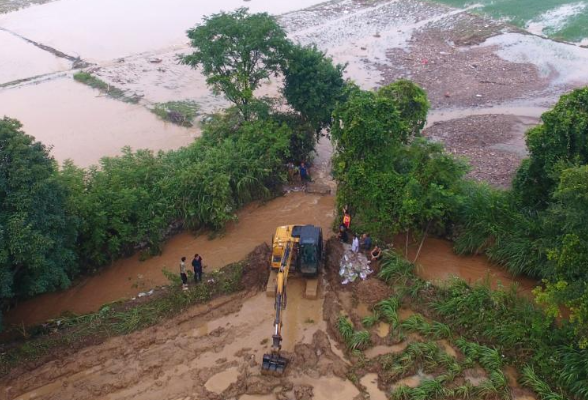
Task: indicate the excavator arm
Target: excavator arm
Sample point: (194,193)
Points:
(273,362)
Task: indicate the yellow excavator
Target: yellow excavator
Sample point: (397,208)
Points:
(299,247)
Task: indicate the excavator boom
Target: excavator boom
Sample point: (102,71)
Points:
(273,362)
(300,247)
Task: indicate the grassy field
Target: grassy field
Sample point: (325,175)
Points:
(561,19)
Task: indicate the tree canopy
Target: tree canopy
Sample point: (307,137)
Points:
(392,181)
(236,51)
(312,84)
(410,100)
(38,236)
(560,142)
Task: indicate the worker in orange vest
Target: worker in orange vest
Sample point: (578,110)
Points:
(347,220)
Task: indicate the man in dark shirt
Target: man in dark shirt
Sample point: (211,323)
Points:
(367,242)
(197,265)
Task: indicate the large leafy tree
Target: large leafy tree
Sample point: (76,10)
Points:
(237,51)
(37,236)
(391,182)
(560,142)
(410,100)
(567,280)
(312,84)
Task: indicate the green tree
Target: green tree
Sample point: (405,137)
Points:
(37,235)
(410,100)
(560,142)
(312,84)
(567,282)
(236,51)
(390,182)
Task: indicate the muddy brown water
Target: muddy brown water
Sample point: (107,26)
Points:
(257,222)
(127,277)
(437,262)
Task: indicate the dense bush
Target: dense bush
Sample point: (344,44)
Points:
(539,228)
(36,233)
(130,200)
(390,179)
(560,142)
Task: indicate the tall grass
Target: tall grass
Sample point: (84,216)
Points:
(395,268)
(530,379)
(417,323)
(501,328)
(388,309)
(492,222)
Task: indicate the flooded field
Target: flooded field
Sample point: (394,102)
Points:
(80,124)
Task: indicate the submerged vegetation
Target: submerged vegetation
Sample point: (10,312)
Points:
(112,91)
(179,112)
(491,332)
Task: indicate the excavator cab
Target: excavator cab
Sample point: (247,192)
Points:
(293,246)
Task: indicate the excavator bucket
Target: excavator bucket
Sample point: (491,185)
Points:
(273,364)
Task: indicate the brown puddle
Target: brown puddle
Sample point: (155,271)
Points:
(438,262)
(370,381)
(127,277)
(376,351)
(219,382)
(412,381)
(383,329)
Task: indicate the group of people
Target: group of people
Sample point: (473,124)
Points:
(301,170)
(196,264)
(365,244)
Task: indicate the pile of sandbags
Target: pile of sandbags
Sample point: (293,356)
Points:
(353,265)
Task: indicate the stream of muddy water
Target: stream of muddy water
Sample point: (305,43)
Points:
(256,223)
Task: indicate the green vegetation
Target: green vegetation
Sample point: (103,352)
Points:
(36,233)
(119,318)
(88,79)
(538,228)
(179,112)
(57,225)
(312,84)
(395,182)
(392,180)
(237,51)
(490,329)
(355,340)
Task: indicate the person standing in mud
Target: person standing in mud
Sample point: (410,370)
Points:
(183,273)
(197,265)
(355,244)
(304,177)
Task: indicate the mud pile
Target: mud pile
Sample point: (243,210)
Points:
(256,270)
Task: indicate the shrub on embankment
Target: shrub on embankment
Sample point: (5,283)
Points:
(394,182)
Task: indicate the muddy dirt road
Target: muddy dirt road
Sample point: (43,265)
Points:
(213,351)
